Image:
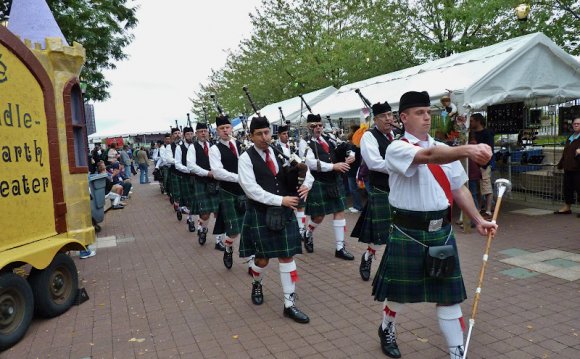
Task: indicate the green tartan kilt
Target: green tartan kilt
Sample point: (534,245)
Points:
(233,219)
(258,240)
(203,202)
(401,275)
(166,180)
(175,186)
(187,190)
(319,204)
(377,221)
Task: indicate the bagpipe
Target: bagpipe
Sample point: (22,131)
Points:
(294,170)
(341,147)
(397,130)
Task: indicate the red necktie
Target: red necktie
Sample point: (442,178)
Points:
(205,149)
(390,137)
(270,163)
(324,145)
(287,146)
(233,148)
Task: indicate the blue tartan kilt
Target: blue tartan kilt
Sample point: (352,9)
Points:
(232,218)
(319,204)
(166,180)
(258,240)
(175,186)
(376,220)
(202,201)
(401,275)
(186,190)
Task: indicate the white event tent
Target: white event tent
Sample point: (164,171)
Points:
(530,68)
(293,107)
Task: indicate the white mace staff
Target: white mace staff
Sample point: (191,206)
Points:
(503,185)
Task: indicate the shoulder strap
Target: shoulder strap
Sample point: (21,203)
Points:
(440,177)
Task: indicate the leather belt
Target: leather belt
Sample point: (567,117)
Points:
(419,223)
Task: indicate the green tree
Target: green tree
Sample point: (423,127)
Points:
(104,29)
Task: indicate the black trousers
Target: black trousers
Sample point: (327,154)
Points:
(571,184)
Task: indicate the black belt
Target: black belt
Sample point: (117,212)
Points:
(419,222)
(258,206)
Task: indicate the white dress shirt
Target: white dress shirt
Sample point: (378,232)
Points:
(413,186)
(191,161)
(168,155)
(178,157)
(312,162)
(369,150)
(251,187)
(215,162)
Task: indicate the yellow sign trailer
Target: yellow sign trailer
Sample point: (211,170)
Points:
(44,199)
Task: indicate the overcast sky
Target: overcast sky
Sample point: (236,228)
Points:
(177,43)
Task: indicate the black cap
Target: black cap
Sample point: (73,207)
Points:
(201,126)
(222,120)
(379,108)
(414,99)
(313,118)
(167,135)
(259,123)
(187,129)
(283,129)
(174,129)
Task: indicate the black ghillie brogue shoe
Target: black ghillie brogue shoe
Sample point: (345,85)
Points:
(257,293)
(389,341)
(344,254)
(365,267)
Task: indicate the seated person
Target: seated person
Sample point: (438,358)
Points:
(114,191)
(120,178)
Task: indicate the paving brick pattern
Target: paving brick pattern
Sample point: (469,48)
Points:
(159,294)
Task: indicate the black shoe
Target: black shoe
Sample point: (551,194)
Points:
(191,225)
(308,241)
(296,315)
(344,254)
(389,341)
(365,267)
(228,257)
(220,246)
(257,295)
(179,215)
(457,352)
(202,235)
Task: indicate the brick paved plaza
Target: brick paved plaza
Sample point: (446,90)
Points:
(156,293)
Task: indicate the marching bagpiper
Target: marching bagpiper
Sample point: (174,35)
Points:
(186,180)
(206,193)
(374,222)
(174,176)
(327,194)
(223,159)
(421,263)
(270,229)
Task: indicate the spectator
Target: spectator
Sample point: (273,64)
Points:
(125,160)
(96,154)
(118,177)
(143,163)
(114,191)
(112,154)
(351,174)
(474,174)
(570,163)
(484,135)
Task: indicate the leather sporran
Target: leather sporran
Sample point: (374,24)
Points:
(440,261)
(276,218)
(213,187)
(332,191)
(240,204)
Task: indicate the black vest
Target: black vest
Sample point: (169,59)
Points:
(316,148)
(230,163)
(183,154)
(264,177)
(201,160)
(173,148)
(380,179)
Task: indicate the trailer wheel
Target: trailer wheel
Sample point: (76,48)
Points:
(16,308)
(54,287)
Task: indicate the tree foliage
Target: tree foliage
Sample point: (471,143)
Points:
(298,46)
(103,27)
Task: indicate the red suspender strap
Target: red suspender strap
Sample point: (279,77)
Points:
(440,177)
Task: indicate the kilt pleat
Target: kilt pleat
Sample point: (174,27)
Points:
(319,204)
(203,202)
(175,186)
(401,276)
(166,180)
(376,220)
(186,190)
(231,217)
(258,240)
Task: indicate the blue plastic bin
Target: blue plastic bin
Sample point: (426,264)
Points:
(97,185)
